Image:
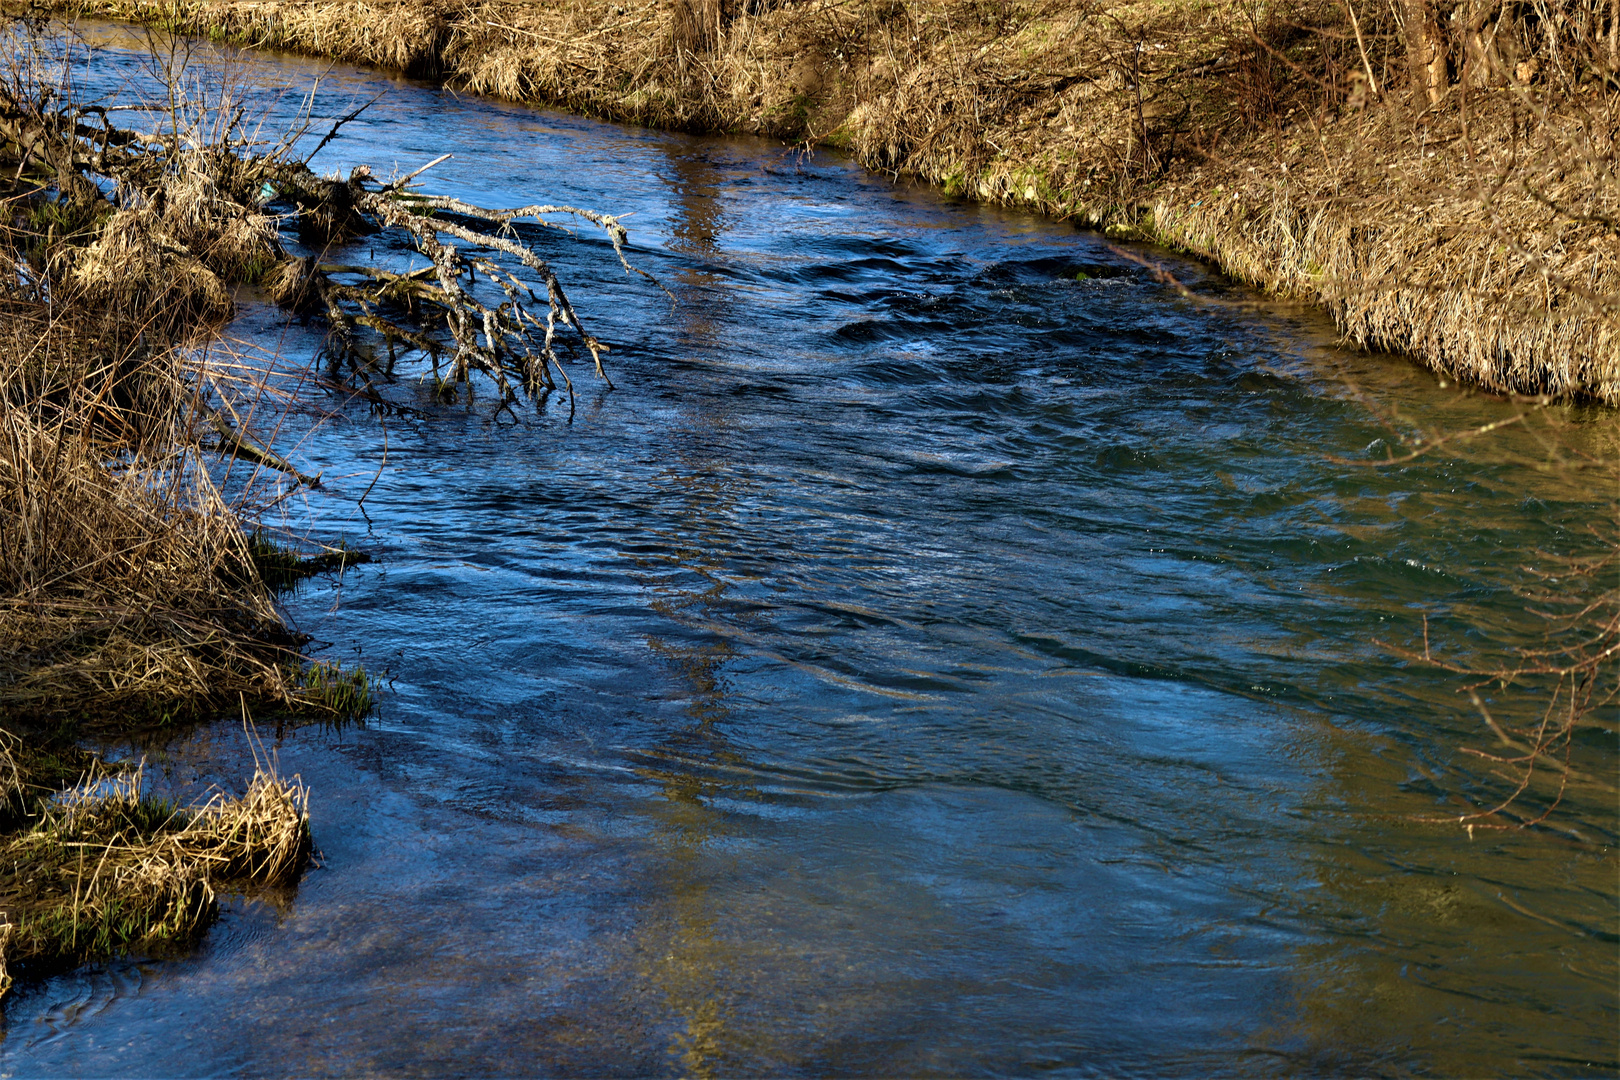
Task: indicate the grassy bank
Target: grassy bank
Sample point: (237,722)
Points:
(131,596)
(135,590)
(129,599)
(1461,212)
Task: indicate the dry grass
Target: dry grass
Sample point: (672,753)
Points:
(126,585)
(128,596)
(1477,270)
(1476,235)
(129,589)
(107,869)
(178,250)
(130,593)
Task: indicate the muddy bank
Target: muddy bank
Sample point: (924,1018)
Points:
(1460,212)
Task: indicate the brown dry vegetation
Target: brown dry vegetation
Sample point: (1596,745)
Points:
(127,585)
(1439,174)
(1460,209)
(128,597)
(129,593)
(132,592)
(127,582)
(105,868)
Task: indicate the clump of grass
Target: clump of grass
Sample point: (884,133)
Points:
(281,567)
(118,588)
(331,689)
(107,869)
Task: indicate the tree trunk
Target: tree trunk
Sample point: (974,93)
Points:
(1426,51)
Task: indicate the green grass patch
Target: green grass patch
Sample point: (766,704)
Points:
(342,693)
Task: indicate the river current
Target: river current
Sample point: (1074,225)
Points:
(951,649)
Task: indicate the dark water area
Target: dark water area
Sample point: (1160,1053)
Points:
(926,661)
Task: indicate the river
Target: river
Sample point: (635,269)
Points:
(951,649)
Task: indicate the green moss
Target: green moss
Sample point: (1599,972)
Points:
(841,138)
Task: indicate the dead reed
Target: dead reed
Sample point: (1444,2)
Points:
(127,582)
(128,597)
(126,585)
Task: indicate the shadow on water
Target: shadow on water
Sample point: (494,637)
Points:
(926,661)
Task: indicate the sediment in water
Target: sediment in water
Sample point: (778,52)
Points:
(1473,232)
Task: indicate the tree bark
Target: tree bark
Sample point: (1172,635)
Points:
(1426,52)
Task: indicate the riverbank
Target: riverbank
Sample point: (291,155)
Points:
(133,594)
(130,600)
(1472,232)
(137,586)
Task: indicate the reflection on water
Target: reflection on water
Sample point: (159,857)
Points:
(690,963)
(925,662)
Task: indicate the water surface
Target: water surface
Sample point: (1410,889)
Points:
(928,660)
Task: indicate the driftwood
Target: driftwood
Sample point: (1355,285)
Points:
(239,445)
(192,217)
(514,341)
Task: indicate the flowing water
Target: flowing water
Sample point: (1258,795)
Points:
(927,660)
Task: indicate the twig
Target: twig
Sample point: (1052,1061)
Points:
(330,135)
(1372,83)
(1433,444)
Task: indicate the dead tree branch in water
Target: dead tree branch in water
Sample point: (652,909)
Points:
(168,221)
(512,341)
(1577,669)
